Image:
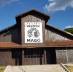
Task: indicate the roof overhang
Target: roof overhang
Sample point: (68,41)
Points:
(33,11)
(57,44)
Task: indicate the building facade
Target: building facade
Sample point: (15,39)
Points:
(31,41)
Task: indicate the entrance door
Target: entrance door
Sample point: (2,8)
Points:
(51,56)
(17,55)
(33,56)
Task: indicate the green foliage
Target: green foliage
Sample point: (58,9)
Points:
(70,30)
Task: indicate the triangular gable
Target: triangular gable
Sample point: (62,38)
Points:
(54,34)
(33,12)
(50,33)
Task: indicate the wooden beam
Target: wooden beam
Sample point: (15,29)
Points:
(45,60)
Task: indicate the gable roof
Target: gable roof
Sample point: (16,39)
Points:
(61,32)
(9,45)
(46,16)
(67,43)
(8,28)
(64,43)
(33,11)
(48,26)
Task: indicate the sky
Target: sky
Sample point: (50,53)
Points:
(60,11)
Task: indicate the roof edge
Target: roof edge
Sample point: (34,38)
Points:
(59,29)
(7,28)
(32,9)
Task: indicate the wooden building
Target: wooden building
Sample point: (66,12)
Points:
(32,41)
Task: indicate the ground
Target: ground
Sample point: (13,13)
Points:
(35,68)
(70,68)
(2,68)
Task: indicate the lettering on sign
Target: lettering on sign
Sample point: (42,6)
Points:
(33,32)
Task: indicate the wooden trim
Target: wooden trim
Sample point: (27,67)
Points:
(23,56)
(45,60)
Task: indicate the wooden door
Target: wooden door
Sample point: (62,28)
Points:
(33,56)
(51,56)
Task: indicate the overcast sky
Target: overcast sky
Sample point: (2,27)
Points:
(60,11)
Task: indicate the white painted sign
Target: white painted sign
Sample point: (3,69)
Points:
(33,32)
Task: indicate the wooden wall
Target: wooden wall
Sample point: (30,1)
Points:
(16,34)
(21,57)
(53,36)
(10,57)
(32,18)
(6,57)
(64,55)
(35,56)
(11,35)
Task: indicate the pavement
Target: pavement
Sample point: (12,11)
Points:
(35,68)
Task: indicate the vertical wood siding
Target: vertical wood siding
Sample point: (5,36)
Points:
(61,56)
(12,35)
(64,55)
(31,18)
(53,36)
(70,55)
(33,56)
(6,58)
